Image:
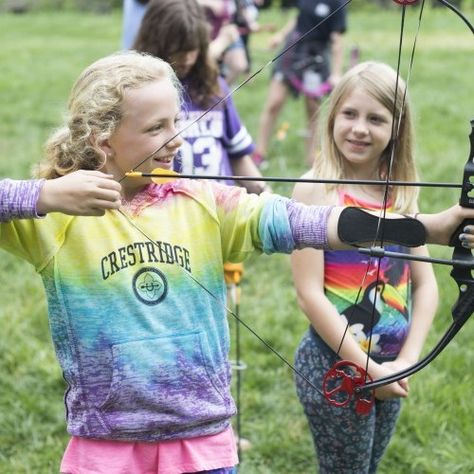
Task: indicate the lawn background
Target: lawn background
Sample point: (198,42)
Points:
(41,55)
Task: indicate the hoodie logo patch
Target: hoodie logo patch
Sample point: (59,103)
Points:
(150,286)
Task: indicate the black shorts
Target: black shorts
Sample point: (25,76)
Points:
(305,67)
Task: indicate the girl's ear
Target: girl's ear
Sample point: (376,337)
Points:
(103,147)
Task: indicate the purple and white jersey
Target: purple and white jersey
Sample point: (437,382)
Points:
(211,143)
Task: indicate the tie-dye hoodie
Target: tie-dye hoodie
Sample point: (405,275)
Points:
(142,345)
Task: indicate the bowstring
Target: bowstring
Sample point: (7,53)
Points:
(395,134)
(225,97)
(380,230)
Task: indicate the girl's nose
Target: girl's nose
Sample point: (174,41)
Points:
(360,127)
(176,140)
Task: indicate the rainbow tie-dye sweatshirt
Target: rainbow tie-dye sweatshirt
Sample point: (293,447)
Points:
(143,347)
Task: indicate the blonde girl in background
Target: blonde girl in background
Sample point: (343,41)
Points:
(357,145)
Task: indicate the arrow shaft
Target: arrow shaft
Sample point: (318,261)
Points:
(277,179)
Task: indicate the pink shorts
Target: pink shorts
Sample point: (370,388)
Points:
(90,456)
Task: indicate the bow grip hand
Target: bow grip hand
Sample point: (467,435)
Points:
(466,199)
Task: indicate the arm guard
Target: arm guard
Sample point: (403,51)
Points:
(357,227)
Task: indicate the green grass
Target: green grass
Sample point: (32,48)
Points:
(41,56)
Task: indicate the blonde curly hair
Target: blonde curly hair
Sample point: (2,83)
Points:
(95,110)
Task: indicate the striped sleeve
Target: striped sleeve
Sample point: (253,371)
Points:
(18,198)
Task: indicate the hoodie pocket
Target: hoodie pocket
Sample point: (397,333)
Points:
(165,384)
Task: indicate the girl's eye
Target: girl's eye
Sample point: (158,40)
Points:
(155,128)
(348,113)
(377,119)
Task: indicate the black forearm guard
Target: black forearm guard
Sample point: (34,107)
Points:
(357,227)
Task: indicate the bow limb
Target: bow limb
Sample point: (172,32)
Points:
(458,13)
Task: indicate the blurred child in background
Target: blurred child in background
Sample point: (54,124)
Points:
(219,144)
(314,63)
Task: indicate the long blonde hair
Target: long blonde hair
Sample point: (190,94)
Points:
(95,110)
(379,80)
